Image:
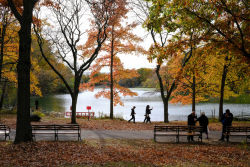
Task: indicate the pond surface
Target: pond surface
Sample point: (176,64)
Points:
(62,103)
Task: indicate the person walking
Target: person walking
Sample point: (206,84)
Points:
(191,122)
(203,121)
(226,120)
(148,111)
(132,114)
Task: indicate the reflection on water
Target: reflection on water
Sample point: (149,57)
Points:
(62,103)
(49,103)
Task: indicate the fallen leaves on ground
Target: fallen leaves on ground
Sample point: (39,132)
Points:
(95,152)
(107,124)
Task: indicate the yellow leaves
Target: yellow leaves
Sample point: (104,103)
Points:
(34,85)
(10,75)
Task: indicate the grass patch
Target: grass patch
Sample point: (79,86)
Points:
(213,120)
(101,116)
(5,111)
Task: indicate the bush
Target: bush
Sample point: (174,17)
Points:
(35,118)
(38,113)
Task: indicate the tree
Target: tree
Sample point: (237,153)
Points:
(24,16)
(9,56)
(5,21)
(221,22)
(120,39)
(168,41)
(226,73)
(191,87)
(7,44)
(67,38)
(48,81)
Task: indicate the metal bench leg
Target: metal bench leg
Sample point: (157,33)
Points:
(56,137)
(34,136)
(79,137)
(227,137)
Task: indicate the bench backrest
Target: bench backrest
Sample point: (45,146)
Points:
(68,127)
(56,127)
(165,128)
(43,127)
(179,128)
(238,129)
(3,127)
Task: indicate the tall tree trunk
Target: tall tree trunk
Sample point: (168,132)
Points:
(74,98)
(165,103)
(2,47)
(73,111)
(111,77)
(23,126)
(2,37)
(193,94)
(163,97)
(223,80)
(111,91)
(3,94)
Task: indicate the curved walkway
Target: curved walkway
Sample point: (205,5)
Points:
(214,136)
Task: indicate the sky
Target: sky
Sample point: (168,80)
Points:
(130,61)
(140,60)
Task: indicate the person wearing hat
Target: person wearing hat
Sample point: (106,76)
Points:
(132,114)
(203,121)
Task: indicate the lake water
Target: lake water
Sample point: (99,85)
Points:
(62,103)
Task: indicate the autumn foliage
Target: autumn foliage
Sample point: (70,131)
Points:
(120,41)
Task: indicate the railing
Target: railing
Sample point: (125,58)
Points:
(81,114)
(242,117)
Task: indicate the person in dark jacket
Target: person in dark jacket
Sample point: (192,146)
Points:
(203,121)
(132,114)
(191,122)
(226,120)
(148,111)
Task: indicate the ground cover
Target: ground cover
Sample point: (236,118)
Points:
(107,124)
(115,152)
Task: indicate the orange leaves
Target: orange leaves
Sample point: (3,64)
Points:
(18,3)
(4,2)
(120,40)
(114,152)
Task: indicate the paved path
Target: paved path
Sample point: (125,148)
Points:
(214,136)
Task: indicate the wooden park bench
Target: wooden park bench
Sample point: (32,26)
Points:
(243,131)
(55,130)
(5,130)
(178,131)
(68,129)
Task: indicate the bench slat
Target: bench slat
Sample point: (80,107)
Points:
(237,131)
(177,130)
(57,129)
(5,130)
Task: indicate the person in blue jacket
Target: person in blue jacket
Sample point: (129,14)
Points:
(226,120)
